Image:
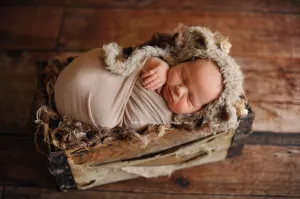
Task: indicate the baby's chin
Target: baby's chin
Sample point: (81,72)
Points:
(175,110)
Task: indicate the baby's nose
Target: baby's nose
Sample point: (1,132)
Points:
(180,90)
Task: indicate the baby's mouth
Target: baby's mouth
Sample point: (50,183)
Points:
(170,95)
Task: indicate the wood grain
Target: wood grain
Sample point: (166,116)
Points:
(295,37)
(32,2)
(21,164)
(288,6)
(1,191)
(163,164)
(271,80)
(271,138)
(12,192)
(265,6)
(276,117)
(120,150)
(251,34)
(272,86)
(17,83)
(29,27)
(260,170)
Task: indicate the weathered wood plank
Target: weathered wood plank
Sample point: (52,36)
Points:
(17,83)
(276,117)
(32,2)
(119,150)
(295,37)
(21,164)
(1,191)
(59,167)
(265,6)
(197,153)
(260,170)
(273,88)
(271,138)
(241,134)
(29,27)
(41,193)
(251,34)
(288,6)
(271,80)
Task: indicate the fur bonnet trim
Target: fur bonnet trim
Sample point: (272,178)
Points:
(113,58)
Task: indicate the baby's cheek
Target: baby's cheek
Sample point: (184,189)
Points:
(173,77)
(180,107)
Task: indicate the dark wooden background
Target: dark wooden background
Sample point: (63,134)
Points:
(266,43)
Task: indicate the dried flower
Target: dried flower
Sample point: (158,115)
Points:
(225,46)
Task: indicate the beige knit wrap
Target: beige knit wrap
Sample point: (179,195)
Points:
(87,92)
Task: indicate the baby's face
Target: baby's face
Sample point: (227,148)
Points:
(191,85)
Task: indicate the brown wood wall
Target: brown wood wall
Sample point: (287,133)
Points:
(266,43)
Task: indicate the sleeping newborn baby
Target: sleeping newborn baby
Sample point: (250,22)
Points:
(186,87)
(88,92)
(106,88)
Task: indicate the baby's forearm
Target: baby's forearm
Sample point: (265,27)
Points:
(154,62)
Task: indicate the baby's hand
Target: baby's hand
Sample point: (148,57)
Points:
(155,75)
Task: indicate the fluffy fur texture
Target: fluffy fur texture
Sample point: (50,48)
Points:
(187,43)
(113,57)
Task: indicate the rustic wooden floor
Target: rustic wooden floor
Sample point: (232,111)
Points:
(266,42)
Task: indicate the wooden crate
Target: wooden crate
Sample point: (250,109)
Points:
(84,168)
(88,167)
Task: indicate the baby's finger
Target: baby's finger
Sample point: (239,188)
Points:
(156,86)
(150,79)
(152,83)
(148,73)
